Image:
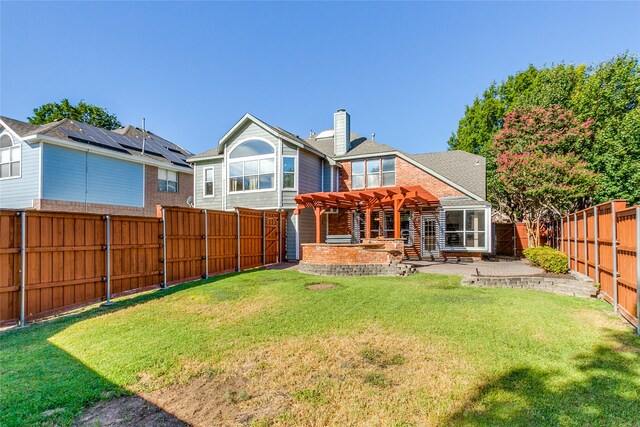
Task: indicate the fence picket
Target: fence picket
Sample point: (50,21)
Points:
(615,257)
(74,259)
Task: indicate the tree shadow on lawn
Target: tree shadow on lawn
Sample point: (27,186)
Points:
(604,390)
(42,384)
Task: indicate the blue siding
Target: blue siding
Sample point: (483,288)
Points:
(79,176)
(18,193)
(115,182)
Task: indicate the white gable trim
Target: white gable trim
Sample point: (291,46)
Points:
(249,118)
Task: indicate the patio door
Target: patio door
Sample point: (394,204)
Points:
(430,236)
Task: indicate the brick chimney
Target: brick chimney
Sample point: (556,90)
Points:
(341,132)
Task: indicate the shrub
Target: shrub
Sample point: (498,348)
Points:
(549,259)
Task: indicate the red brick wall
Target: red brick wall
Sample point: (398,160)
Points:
(340,223)
(350,254)
(153,197)
(406,174)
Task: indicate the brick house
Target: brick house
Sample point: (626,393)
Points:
(338,185)
(75,167)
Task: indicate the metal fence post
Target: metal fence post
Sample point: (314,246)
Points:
(596,250)
(164,249)
(638,269)
(108,259)
(586,243)
(23,268)
(238,238)
(206,244)
(614,248)
(264,238)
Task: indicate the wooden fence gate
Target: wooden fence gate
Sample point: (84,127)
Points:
(52,261)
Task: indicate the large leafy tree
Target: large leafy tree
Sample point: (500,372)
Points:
(82,112)
(606,93)
(539,175)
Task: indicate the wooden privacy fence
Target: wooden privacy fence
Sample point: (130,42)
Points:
(53,261)
(603,242)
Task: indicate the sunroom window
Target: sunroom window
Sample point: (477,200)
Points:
(9,157)
(252,167)
(465,228)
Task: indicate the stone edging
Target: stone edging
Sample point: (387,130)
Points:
(577,286)
(398,269)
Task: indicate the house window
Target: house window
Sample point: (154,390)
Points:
(357,174)
(388,171)
(208,182)
(252,167)
(289,172)
(167,181)
(373,172)
(9,157)
(465,228)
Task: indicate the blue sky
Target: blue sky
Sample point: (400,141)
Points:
(403,70)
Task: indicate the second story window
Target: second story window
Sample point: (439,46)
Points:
(357,174)
(373,173)
(208,182)
(252,166)
(289,172)
(9,157)
(167,181)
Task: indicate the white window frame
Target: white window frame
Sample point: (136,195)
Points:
(295,173)
(177,181)
(11,148)
(248,159)
(365,174)
(204,182)
(382,172)
(487,229)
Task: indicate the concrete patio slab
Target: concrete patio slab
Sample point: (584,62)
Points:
(485,268)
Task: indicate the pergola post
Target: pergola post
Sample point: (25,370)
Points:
(318,211)
(367,222)
(397,204)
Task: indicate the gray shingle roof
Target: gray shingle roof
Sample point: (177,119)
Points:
(465,169)
(123,141)
(360,146)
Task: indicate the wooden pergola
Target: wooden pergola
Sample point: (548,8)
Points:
(396,197)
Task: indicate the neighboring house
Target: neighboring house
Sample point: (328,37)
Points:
(258,165)
(75,167)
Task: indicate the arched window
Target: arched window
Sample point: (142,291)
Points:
(251,166)
(251,148)
(9,157)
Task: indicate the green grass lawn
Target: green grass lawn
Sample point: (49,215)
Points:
(420,350)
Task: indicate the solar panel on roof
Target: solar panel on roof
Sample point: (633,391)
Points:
(89,139)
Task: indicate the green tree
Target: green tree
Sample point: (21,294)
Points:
(82,112)
(605,94)
(616,154)
(539,175)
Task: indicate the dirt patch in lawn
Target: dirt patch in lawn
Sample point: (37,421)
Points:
(375,377)
(321,286)
(128,411)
